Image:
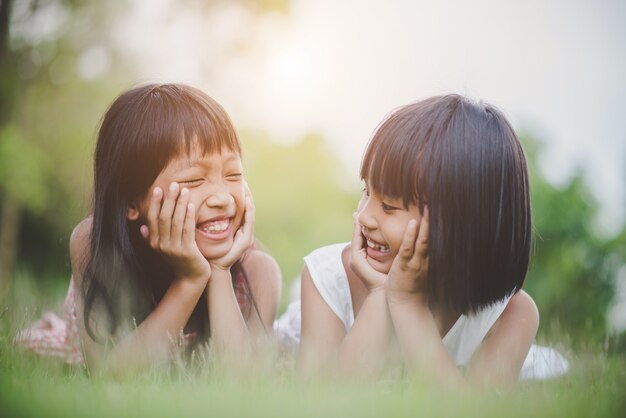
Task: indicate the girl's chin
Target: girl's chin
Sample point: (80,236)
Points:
(380,266)
(217,250)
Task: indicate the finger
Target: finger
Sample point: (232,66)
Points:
(249,220)
(245,234)
(165,216)
(357,235)
(189,226)
(408,240)
(248,194)
(422,238)
(179,216)
(153,216)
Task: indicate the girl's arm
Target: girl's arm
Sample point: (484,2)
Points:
(232,335)
(362,350)
(151,343)
(321,332)
(501,355)
(497,361)
(499,358)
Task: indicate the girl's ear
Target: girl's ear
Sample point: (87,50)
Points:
(133,213)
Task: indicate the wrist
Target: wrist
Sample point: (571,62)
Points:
(376,289)
(220,268)
(191,283)
(400,297)
(219,273)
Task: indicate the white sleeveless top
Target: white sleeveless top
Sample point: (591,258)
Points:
(329,277)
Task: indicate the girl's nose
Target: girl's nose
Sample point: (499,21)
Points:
(219,198)
(365,216)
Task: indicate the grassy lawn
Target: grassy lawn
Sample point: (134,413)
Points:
(37,387)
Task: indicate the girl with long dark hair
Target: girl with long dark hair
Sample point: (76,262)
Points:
(167,259)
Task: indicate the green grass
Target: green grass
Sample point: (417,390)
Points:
(31,386)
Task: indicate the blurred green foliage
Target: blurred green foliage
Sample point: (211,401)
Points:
(573,269)
(304,197)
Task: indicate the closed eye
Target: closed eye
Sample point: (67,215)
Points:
(192,182)
(388,208)
(234,176)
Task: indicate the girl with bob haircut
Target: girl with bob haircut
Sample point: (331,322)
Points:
(167,258)
(438,257)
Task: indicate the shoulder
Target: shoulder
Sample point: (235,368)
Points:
(81,234)
(520,316)
(326,261)
(79,246)
(503,351)
(262,271)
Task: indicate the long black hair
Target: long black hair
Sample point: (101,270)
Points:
(142,130)
(464,161)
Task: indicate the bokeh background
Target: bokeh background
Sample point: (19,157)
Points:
(306,82)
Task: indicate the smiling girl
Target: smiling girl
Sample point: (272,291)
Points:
(438,257)
(167,256)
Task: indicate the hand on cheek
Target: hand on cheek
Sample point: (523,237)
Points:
(244,237)
(170,231)
(372,278)
(409,270)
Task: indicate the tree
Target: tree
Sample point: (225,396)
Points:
(40,43)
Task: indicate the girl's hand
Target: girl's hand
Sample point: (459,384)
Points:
(171,231)
(358,261)
(243,238)
(408,272)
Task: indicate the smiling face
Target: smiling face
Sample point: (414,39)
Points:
(216,188)
(383,221)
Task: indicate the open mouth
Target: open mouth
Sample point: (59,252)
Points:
(216,228)
(377,247)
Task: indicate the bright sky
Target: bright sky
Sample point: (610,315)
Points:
(556,68)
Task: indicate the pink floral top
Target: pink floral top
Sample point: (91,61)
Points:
(54,337)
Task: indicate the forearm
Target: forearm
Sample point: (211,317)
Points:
(420,343)
(229,332)
(364,349)
(152,342)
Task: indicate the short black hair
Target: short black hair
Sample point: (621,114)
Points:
(463,160)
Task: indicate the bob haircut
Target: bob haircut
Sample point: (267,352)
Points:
(143,129)
(464,161)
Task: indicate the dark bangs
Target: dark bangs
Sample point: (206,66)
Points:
(394,163)
(162,121)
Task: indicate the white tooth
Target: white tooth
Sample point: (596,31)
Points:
(377,247)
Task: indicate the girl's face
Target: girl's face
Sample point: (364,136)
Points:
(216,188)
(383,223)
